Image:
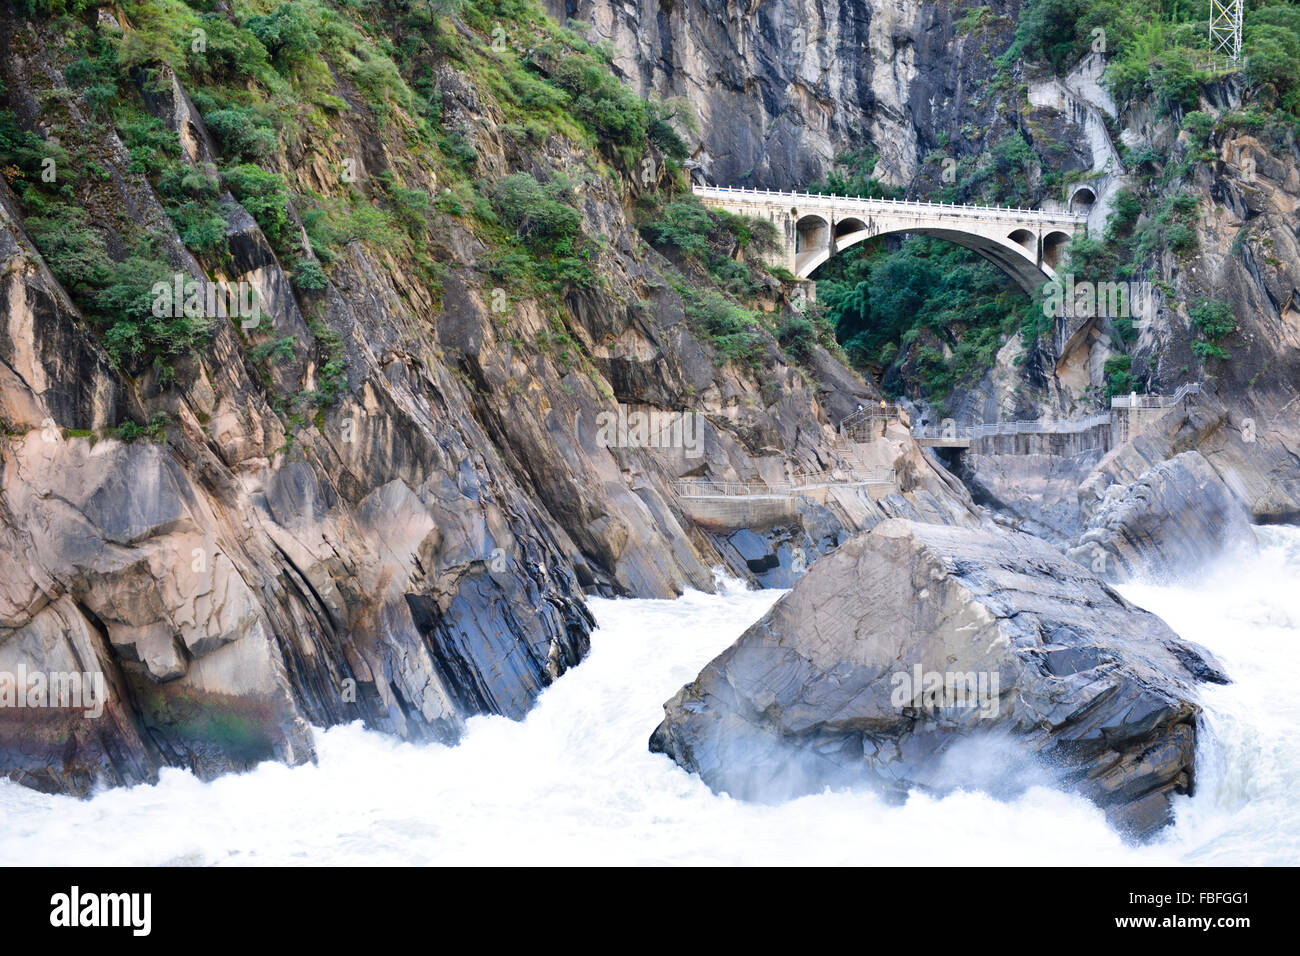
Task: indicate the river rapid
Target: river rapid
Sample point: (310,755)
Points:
(574,783)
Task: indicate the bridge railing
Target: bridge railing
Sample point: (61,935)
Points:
(900,205)
(1156,401)
(992,429)
(708,488)
(867,414)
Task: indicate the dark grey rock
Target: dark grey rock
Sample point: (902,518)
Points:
(1081,687)
(1170,522)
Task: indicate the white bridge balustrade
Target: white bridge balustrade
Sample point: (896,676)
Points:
(1025,243)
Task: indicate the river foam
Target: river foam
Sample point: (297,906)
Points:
(575,783)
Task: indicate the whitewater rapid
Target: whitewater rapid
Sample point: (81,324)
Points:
(574,782)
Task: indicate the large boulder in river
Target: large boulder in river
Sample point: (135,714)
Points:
(941,657)
(1171,520)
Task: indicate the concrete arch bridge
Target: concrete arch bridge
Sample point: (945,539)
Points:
(1027,244)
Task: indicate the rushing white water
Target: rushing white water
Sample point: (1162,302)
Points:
(575,783)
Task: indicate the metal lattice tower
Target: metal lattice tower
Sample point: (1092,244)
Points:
(1225,28)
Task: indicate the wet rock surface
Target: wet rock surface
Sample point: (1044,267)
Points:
(1172,521)
(776,557)
(1070,683)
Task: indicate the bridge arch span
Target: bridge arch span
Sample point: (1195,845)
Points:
(848,226)
(1007,254)
(1025,240)
(812,231)
(1027,244)
(1054,244)
(1011,254)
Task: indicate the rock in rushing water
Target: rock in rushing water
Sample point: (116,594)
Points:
(1173,519)
(823,689)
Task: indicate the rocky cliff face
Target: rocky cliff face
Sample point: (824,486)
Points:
(782,89)
(417,550)
(1241,187)
(386,499)
(1170,521)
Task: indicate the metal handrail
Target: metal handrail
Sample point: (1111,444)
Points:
(868,413)
(1065,426)
(1031,427)
(1156,401)
(901,205)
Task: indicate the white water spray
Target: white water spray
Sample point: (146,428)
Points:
(575,783)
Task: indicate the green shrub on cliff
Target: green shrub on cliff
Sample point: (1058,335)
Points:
(729,329)
(151,144)
(287,33)
(1163,51)
(548,227)
(116,295)
(601,102)
(136,336)
(229,53)
(55,7)
(797,335)
(309,276)
(73,249)
(21,154)
(1213,321)
(189,194)
(1002,176)
(538,213)
(852,176)
(716,240)
(684,224)
(1119,378)
(245,134)
(265,197)
(1048,30)
(1273,56)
